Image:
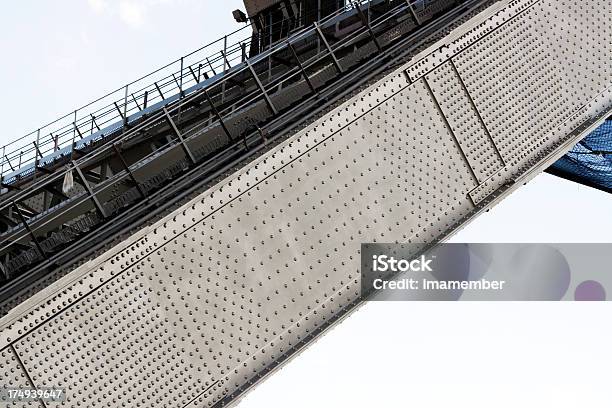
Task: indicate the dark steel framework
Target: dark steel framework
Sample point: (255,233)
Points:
(583,178)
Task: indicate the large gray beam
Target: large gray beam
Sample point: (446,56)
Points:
(197,308)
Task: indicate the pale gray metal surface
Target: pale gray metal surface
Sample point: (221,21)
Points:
(12,376)
(465,121)
(196,308)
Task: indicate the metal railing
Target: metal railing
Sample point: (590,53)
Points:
(31,226)
(92,120)
(33,145)
(109,113)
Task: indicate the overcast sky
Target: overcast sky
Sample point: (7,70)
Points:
(57,55)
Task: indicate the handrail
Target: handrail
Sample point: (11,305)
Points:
(176,104)
(168,80)
(88,118)
(129,105)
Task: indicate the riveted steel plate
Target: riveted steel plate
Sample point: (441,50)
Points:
(195,309)
(578,40)
(239,280)
(519,94)
(456,42)
(12,376)
(522,95)
(465,121)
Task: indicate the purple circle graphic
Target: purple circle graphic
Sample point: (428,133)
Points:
(590,291)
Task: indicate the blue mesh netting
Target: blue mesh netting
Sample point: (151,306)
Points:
(590,161)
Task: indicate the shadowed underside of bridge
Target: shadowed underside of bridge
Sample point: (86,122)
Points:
(589,162)
(198,307)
